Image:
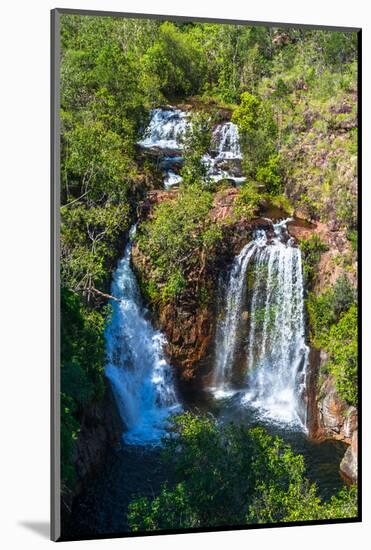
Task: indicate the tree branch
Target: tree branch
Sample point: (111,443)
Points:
(104,294)
(75,200)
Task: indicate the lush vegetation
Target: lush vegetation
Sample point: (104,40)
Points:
(230,475)
(82,356)
(311,250)
(292,95)
(334,325)
(175,239)
(101,110)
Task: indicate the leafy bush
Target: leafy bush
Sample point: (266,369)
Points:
(352,236)
(94,162)
(176,61)
(258,135)
(346,209)
(248,201)
(89,236)
(334,326)
(174,238)
(196,143)
(282,202)
(247,114)
(311,250)
(325,309)
(270,174)
(309,206)
(231,475)
(342,348)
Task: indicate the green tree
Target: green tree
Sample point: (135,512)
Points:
(176,61)
(196,143)
(174,239)
(258,133)
(343,355)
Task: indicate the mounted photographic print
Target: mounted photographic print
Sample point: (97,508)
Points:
(205,286)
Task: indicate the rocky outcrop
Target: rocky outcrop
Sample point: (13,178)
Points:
(349,464)
(337,260)
(337,420)
(101,429)
(329,416)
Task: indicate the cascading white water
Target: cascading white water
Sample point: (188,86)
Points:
(227,141)
(164,134)
(165,129)
(276,353)
(141,378)
(227,328)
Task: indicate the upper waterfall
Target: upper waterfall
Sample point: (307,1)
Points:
(164,135)
(141,378)
(227,141)
(274,345)
(165,130)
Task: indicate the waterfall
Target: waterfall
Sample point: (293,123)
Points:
(164,137)
(276,354)
(165,129)
(141,378)
(227,142)
(227,328)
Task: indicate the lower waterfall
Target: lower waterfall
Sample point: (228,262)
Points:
(141,378)
(266,280)
(228,326)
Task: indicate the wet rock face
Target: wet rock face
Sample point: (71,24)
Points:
(189,339)
(101,429)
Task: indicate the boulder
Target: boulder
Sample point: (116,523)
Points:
(336,419)
(349,463)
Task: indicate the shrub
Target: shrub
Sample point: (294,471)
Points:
(246,115)
(352,236)
(342,347)
(309,206)
(282,202)
(325,310)
(174,238)
(334,326)
(311,250)
(247,201)
(258,136)
(196,143)
(270,174)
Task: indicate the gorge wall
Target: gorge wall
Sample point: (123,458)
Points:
(190,326)
(101,429)
(330,416)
